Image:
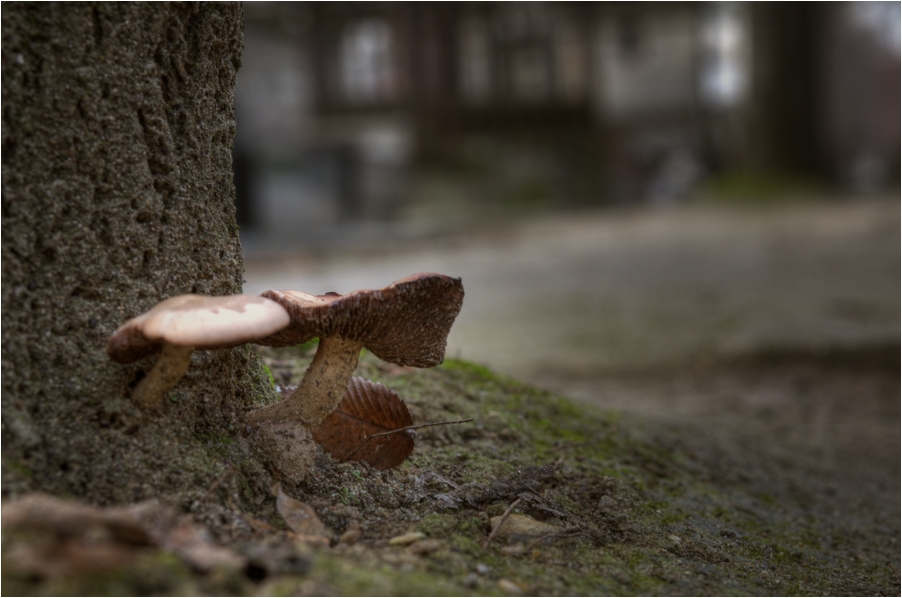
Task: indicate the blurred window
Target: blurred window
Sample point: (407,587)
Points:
(628,38)
(724,75)
(882,19)
(367,67)
(646,63)
(529,73)
(569,62)
(475,61)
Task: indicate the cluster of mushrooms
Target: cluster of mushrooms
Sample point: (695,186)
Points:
(406,323)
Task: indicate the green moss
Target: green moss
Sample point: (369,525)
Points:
(468,367)
(437,525)
(346,579)
(18,467)
(762,187)
(272,380)
(728,532)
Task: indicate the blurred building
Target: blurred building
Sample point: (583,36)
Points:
(352,112)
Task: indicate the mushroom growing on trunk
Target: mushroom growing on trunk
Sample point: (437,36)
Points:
(406,323)
(178,326)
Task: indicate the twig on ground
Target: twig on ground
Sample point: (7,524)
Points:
(217,483)
(404,429)
(504,516)
(563,534)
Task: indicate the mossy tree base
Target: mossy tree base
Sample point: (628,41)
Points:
(644,510)
(118,123)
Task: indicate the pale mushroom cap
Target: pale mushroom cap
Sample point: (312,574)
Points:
(406,323)
(197,321)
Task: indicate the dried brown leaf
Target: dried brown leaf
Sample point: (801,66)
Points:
(302,520)
(79,536)
(367,409)
(63,557)
(42,512)
(260,527)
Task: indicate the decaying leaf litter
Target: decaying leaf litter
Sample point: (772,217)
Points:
(606,505)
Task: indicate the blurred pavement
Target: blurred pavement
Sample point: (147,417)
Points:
(579,295)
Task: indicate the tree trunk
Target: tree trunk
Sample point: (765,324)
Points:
(785,135)
(117,193)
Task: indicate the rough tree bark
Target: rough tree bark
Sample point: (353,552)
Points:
(117,193)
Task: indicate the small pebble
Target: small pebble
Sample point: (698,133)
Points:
(483,569)
(518,527)
(675,539)
(351,536)
(405,539)
(424,547)
(471,581)
(511,587)
(515,550)
(606,503)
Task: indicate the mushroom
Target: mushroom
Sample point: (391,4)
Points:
(179,325)
(406,323)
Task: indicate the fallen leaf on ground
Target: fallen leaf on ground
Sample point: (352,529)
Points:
(63,557)
(512,587)
(260,527)
(424,547)
(77,537)
(302,520)
(368,408)
(45,513)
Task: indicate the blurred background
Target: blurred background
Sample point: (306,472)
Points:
(424,115)
(638,196)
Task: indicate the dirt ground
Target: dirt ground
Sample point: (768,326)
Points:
(775,326)
(599,503)
(732,426)
(755,334)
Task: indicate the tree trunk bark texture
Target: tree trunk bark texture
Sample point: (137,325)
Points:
(117,193)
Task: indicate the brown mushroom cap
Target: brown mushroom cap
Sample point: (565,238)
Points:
(406,323)
(197,321)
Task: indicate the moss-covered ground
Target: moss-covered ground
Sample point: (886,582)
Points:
(641,509)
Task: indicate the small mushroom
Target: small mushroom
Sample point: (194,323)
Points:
(406,323)
(179,325)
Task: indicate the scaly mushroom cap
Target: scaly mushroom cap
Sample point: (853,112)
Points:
(197,321)
(406,323)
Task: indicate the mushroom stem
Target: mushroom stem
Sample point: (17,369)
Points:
(322,388)
(171,365)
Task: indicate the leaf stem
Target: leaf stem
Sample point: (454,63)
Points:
(404,429)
